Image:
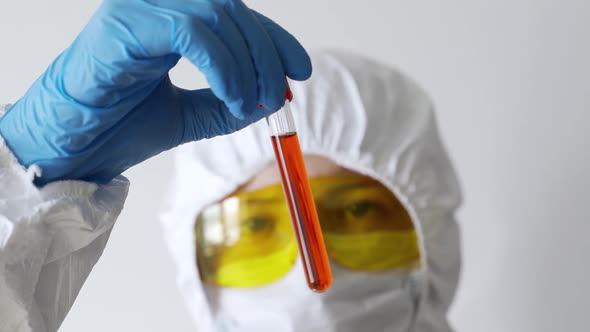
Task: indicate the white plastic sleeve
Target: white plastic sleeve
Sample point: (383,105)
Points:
(50,239)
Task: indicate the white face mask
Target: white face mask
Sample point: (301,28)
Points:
(357,301)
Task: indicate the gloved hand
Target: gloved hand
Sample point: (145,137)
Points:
(107,103)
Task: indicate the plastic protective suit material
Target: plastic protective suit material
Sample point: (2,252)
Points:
(106,103)
(365,117)
(50,239)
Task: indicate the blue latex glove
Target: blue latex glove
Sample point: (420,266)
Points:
(107,103)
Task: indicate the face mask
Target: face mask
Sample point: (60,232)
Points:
(357,301)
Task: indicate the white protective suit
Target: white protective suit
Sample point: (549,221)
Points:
(365,117)
(50,239)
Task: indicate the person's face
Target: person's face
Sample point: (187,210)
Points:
(246,239)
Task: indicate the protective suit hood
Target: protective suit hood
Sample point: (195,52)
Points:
(366,117)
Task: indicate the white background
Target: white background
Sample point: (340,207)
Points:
(510,79)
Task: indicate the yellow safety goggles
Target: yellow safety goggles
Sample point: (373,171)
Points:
(247,239)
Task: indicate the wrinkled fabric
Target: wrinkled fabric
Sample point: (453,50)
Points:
(50,239)
(368,118)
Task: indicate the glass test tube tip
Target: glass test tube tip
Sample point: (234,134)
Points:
(299,199)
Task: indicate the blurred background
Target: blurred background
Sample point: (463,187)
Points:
(510,79)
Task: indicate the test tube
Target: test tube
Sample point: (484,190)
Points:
(299,198)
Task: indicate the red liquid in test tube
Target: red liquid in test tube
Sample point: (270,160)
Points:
(299,198)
